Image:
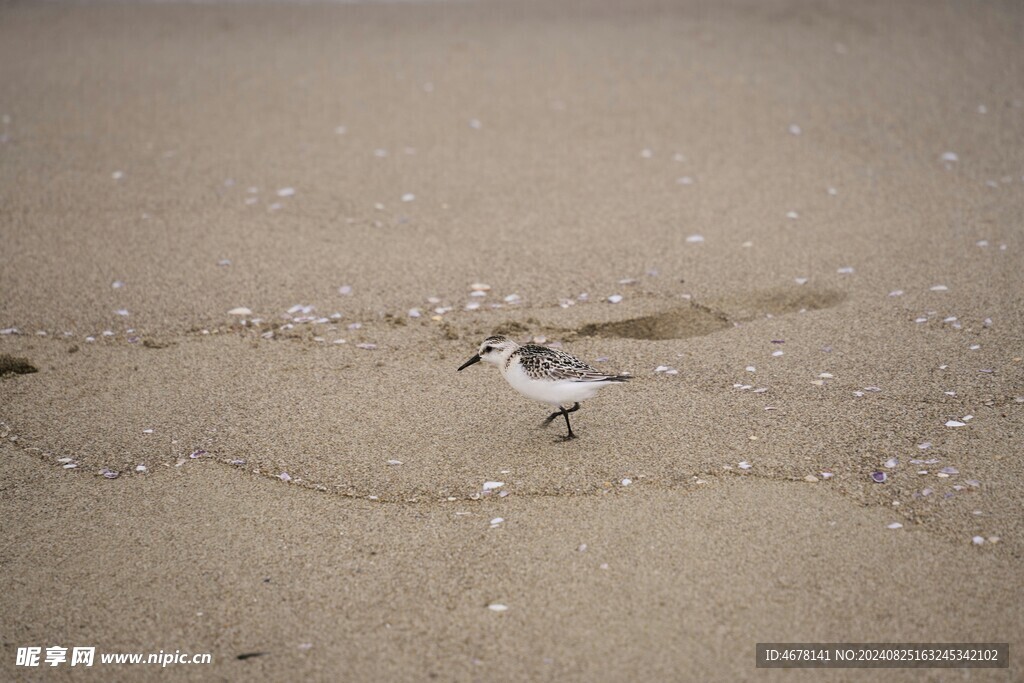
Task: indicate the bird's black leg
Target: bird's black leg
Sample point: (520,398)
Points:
(565,412)
(560,411)
(551,417)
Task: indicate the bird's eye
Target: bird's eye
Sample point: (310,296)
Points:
(488,349)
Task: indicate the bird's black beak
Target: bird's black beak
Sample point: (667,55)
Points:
(474,359)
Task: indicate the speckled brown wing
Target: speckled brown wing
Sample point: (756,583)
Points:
(541,362)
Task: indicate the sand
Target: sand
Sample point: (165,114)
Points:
(838,183)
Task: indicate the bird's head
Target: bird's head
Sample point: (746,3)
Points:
(493,350)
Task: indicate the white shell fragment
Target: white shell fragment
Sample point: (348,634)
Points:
(695,239)
(491,485)
(956,423)
(615,298)
(894,525)
(241,310)
(497,607)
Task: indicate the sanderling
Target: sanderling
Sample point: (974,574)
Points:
(546,375)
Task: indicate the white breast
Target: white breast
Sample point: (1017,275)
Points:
(555,393)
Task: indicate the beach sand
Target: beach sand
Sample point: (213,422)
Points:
(812,212)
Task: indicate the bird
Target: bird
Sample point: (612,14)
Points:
(544,374)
